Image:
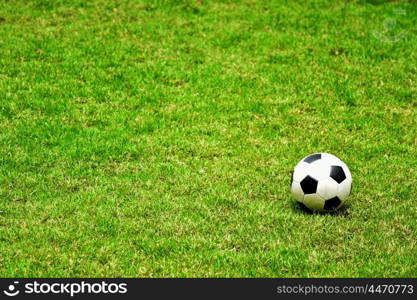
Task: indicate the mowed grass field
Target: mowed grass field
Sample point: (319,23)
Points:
(157,138)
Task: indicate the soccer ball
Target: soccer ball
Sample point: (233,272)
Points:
(322,182)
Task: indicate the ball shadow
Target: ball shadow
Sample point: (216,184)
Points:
(301,208)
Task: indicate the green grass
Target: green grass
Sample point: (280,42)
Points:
(156,138)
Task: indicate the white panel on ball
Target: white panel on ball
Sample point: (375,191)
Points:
(320,169)
(327,188)
(300,171)
(297,192)
(331,159)
(313,202)
(344,189)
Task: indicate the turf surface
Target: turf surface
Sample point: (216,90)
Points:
(156,138)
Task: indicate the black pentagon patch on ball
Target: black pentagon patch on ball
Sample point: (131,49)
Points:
(337,173)
(309,185)
(332,204)
(313,157)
